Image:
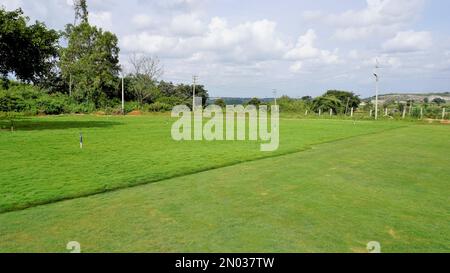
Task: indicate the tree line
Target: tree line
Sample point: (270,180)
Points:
(77,69)
(340,102)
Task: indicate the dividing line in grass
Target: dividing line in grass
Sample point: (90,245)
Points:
(188,173)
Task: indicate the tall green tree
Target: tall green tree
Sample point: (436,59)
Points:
(29,52)
(81,11)
(439,101)
(325,103)
(254,101)
(184,91)
(347,99)
(90,62)
(145,74)
(220,102)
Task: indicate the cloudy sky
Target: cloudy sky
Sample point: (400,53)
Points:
(299,47)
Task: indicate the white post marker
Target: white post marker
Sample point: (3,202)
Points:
(443,113)
(386,112)
(351,113)
(421,112)
(331,112)
(81,140)
(404,112)
(320,112)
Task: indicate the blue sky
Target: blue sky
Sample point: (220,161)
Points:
(249,47)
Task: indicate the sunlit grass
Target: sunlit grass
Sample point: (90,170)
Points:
(391,187)
(41,161)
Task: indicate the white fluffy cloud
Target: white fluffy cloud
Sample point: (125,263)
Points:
(151,44)
(379,18)
(305,50)
(102,19)
(186,25)
(142,21)
(407,41)
(244,42)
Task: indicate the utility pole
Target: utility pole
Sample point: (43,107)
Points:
(194,79)
(275,96)
(123,96)
(346,107)
(375,73)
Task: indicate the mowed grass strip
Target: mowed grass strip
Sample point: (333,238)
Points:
(391,187)
(41,162)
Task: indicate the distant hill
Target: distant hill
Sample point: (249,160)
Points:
(417,97)
(237,101)
(401,97)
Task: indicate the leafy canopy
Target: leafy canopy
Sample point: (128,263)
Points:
(27,51)
(90,62)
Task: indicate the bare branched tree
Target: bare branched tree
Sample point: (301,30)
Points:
(145,72)
(149,67)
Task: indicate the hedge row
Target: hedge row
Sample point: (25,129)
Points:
(31,100)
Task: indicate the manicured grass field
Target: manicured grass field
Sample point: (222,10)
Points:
(370,181)
(41,162)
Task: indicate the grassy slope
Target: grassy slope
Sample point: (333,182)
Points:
(391,187)
(42,161)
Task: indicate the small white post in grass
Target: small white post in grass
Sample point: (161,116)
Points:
(81,140)
(443,113)
(320,112)
(331,112)
(385,112)
(404,112)
(421,112)
(351,112)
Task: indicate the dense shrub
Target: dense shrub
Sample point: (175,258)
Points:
(51,105)
(32,100)
(132,106)
(433,112)
(172,101)
(12,102)
(80,108)
(158,107)
(292,105)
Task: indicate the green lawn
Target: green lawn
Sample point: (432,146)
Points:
(391,186)
(42,161)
